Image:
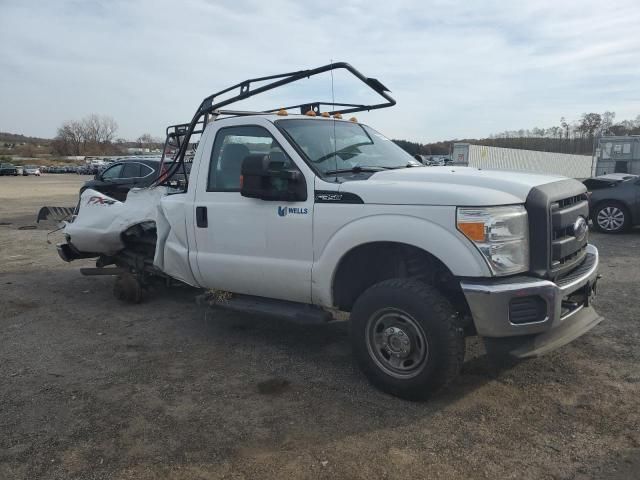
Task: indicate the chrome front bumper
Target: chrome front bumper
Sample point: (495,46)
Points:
(565,319)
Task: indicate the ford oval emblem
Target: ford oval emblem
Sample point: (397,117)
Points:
(580,228)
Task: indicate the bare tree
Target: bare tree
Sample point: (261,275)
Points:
(590,123)
(109,129)
(93,133)
(71,138)
(99,129)
(91,126)
(145,140)
(565,126)
(607,122)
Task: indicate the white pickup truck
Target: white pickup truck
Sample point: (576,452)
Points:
(311,214)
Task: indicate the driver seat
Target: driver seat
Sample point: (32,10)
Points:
(230,166)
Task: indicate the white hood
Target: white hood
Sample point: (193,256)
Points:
(460,186)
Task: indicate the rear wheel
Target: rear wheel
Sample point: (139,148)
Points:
(611,217)
(407,338)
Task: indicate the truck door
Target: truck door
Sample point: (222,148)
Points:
(248,245)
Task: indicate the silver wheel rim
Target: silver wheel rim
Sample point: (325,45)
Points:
(397,343)
(610,218)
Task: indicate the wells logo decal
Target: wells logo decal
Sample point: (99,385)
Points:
(284,211)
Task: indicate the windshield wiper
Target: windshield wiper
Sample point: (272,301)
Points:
(356,169)
(348,149)
(408,165)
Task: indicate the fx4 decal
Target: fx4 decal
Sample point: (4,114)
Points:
(100,201)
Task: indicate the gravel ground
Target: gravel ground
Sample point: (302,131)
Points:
(92,388)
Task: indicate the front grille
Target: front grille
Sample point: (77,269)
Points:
(566,249)
(553,211)
(567,202)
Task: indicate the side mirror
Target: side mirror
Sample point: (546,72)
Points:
(264,178)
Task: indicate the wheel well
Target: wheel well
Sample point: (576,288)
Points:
(609,200)
(371,263)
(633,218)
(141,239)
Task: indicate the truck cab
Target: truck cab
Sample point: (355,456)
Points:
(321,213)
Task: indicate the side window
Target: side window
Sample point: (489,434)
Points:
(130,170)
(112,172)
(232,145)
(145,170)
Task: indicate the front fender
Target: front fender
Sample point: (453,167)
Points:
(445,243)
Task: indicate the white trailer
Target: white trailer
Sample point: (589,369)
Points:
(496,158)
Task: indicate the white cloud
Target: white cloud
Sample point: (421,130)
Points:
(463,70)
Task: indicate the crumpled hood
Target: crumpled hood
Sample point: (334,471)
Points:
(460,186)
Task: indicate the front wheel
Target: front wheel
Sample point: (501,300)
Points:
(407,338)
(611,217)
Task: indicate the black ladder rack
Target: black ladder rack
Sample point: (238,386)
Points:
(211,105)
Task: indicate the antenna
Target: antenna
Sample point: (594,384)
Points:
(335,140)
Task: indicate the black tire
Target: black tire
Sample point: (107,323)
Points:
(127,288)
(611,217)
(379,319)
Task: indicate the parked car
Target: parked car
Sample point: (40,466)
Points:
(20,170)
(118,178)
(614,201)
(8,169)
(31,170)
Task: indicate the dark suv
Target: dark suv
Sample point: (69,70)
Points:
(118,178)
(614,201)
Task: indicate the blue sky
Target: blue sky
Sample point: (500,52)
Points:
(457,70)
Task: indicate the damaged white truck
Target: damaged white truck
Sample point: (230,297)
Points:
(311,214)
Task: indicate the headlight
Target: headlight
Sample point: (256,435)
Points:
(500,233)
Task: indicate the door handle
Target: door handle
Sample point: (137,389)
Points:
(201,217)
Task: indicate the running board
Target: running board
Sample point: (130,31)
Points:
(292,311)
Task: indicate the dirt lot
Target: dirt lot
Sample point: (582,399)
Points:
(92,388)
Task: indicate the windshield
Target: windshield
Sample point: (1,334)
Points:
(334,146)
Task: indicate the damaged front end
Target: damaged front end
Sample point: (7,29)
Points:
(98,225)
(142,236)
